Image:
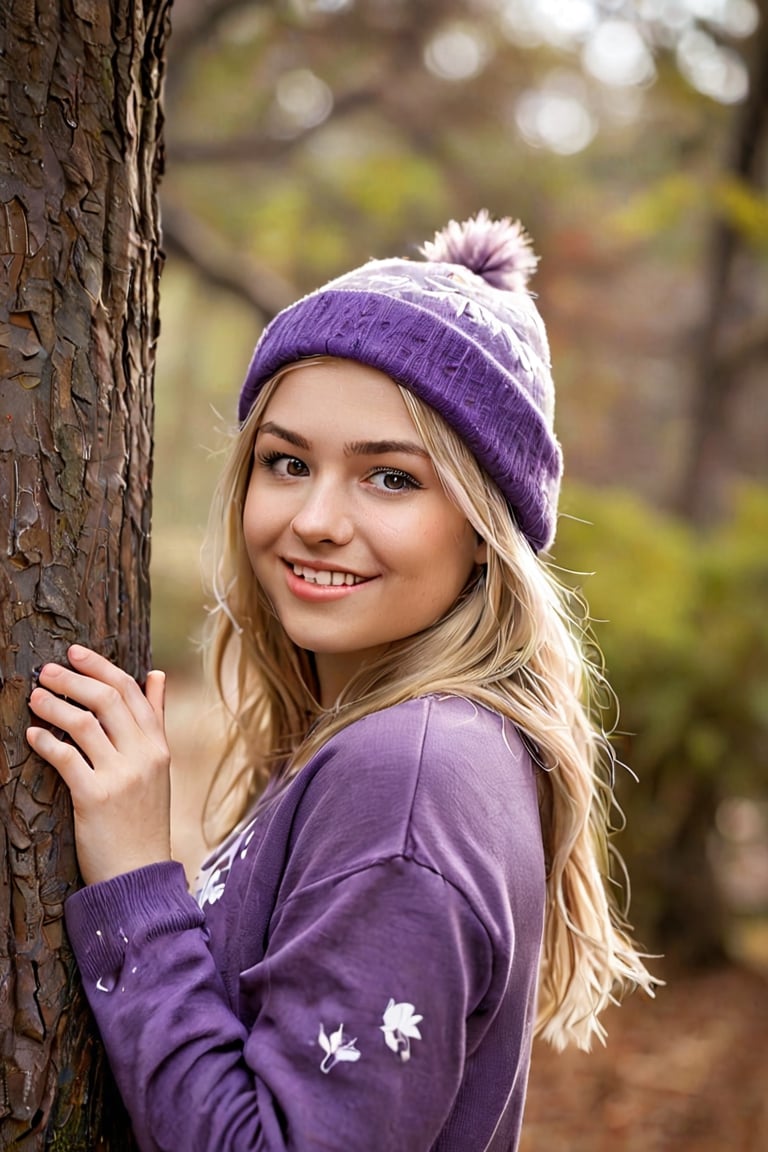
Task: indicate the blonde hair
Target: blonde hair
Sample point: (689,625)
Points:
(513,642)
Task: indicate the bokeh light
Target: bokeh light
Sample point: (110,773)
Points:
(556,115)
(616,54)
(714,70)
(458,51)
(302,101)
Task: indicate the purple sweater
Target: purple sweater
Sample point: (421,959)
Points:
(359,974)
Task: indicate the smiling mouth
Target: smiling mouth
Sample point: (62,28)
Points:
(326,577)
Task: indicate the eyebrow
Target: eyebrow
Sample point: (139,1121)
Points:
(284,434)
(382,447)
(356,448)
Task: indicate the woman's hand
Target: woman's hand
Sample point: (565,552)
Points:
(118,768)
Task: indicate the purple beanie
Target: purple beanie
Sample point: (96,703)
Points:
(459,330)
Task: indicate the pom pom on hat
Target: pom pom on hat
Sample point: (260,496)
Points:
(498,250)
(459,330)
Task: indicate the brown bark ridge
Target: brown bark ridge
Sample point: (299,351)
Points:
(80,157)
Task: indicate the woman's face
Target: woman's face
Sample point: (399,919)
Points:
(347,527)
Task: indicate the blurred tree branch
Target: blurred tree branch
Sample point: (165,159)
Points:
(194,23)
(259,147)
(187,236)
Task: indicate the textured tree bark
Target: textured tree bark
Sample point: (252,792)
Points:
(80,156)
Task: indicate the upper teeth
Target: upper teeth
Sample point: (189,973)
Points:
(315,576)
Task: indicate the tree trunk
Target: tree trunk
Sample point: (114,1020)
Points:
(717,367)
(80,156)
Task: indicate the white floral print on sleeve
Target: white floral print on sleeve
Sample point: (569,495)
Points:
(336,1048)
(400,1027)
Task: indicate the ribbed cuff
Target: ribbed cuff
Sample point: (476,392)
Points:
(103,918)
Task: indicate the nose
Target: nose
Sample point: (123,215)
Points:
(324,516)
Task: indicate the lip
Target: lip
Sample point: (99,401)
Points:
(305,590)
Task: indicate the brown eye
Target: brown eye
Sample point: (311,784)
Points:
(280,464)
(294,467)
(393,480)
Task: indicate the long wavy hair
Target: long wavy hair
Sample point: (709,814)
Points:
(515,641)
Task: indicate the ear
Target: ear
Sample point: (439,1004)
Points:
(481,552)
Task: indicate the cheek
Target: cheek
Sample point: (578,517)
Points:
(260,511)
(256,527)
(250,522)
(464,563)
(441,555)
(454,541)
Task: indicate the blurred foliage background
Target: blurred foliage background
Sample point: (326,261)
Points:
(630,136)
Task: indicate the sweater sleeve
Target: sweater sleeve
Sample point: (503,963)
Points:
(350,1033)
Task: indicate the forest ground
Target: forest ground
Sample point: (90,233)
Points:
(685,1072)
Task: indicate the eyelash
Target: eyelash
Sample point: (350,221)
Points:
(269,459)
(411,484)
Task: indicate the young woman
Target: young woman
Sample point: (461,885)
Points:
(418,880)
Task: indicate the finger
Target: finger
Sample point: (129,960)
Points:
(79,723)
(111,694)
(65,699)
(83,689)
(66,759)
(154,690)
(97,668)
